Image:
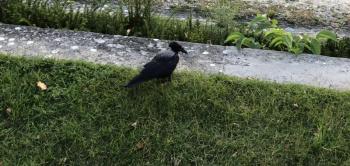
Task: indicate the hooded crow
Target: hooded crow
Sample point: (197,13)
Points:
(161,66)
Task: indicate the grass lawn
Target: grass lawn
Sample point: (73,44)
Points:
(85,117)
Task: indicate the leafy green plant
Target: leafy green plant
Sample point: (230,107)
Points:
(263,32)
(315,44)
(240,40)
(311,44)
(260,23)
(325,35)
(279,38)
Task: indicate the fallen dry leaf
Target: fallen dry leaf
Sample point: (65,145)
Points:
(140,145)
(8,111)
(134,124)
(41,85)
(234,154)
(63,160)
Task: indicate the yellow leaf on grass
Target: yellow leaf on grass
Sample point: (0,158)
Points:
(41,85)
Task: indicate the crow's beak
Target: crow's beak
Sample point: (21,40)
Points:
(184,51)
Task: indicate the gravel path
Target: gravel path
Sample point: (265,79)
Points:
(334,13)
(275,66)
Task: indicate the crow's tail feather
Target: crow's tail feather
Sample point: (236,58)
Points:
(136,80)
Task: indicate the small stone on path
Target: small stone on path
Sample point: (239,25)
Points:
(99,41)
(55,51)
(74,47)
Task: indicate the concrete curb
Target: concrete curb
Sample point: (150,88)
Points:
(269,65)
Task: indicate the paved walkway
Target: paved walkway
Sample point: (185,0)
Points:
(276,66)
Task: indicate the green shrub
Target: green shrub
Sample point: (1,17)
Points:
(337,49)
(262,32)
(240,40)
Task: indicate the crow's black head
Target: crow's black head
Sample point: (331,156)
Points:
(176,47)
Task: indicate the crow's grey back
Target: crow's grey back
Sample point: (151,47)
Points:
(166,54)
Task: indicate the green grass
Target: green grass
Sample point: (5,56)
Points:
(85,118)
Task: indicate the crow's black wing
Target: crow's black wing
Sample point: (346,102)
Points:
(163,56)
(160,65)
